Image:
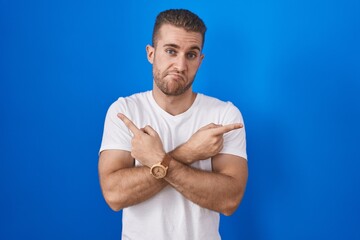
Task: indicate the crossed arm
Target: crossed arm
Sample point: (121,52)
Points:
(221,190)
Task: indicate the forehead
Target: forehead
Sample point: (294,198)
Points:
(169,34)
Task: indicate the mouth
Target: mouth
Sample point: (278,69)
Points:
(176,76)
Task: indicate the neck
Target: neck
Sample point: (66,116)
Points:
(174,105)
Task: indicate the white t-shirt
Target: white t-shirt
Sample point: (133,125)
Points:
(168,215)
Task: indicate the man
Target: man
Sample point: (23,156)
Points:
(171,158)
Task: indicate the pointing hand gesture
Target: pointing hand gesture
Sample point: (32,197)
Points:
(208,141)
(146,145)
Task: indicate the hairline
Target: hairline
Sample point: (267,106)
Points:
(156,34)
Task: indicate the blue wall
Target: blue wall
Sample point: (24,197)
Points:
(292,67)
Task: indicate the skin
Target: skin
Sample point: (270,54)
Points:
(176,58)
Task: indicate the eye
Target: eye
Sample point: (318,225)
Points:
(170,51)
(191,55)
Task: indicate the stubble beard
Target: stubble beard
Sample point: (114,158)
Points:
(162,84)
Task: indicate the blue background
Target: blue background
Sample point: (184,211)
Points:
(292,67)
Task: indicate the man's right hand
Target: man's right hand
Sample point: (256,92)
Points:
(146,145)
(205,143)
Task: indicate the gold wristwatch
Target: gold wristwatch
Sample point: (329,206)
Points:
(159,170)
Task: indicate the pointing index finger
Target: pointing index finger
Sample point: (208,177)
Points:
(129,124)
(227,128)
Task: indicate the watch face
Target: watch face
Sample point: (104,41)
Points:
(158,171)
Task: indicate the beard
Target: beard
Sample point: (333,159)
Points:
(165,85)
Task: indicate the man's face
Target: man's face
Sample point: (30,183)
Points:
(176,58)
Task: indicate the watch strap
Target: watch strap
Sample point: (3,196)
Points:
(166,160)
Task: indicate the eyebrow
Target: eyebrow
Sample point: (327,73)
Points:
(177,46)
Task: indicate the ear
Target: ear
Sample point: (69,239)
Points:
(150,51)
(201,59)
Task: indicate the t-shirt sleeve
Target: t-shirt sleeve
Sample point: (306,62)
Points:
(234,141)
(116,135)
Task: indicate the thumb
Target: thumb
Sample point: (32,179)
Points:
(210,126)
(149,130)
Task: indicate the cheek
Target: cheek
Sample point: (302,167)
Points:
(159,65)
(194,67)
(157,71)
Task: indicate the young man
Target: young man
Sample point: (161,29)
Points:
(171,158)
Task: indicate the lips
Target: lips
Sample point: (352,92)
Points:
(176,76)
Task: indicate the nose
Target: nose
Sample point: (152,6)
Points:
(180,63)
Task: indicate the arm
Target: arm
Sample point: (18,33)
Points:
(220,190)
(123,184)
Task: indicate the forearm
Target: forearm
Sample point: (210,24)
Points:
(181,154)
(186,155)
(133,185)
(130,186)
(214,191)
(219,190)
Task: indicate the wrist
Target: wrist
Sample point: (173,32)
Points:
(182,154)
(159,170)
(155,158)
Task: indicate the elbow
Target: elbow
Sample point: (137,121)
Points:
(231,205)
(229,210)
(112,196)
(114,207)
(113,201)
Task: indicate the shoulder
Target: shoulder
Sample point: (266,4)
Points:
(130,102)
(224,112)
(133,99)
(215,103)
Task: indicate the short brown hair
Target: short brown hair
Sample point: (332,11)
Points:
(179,18)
